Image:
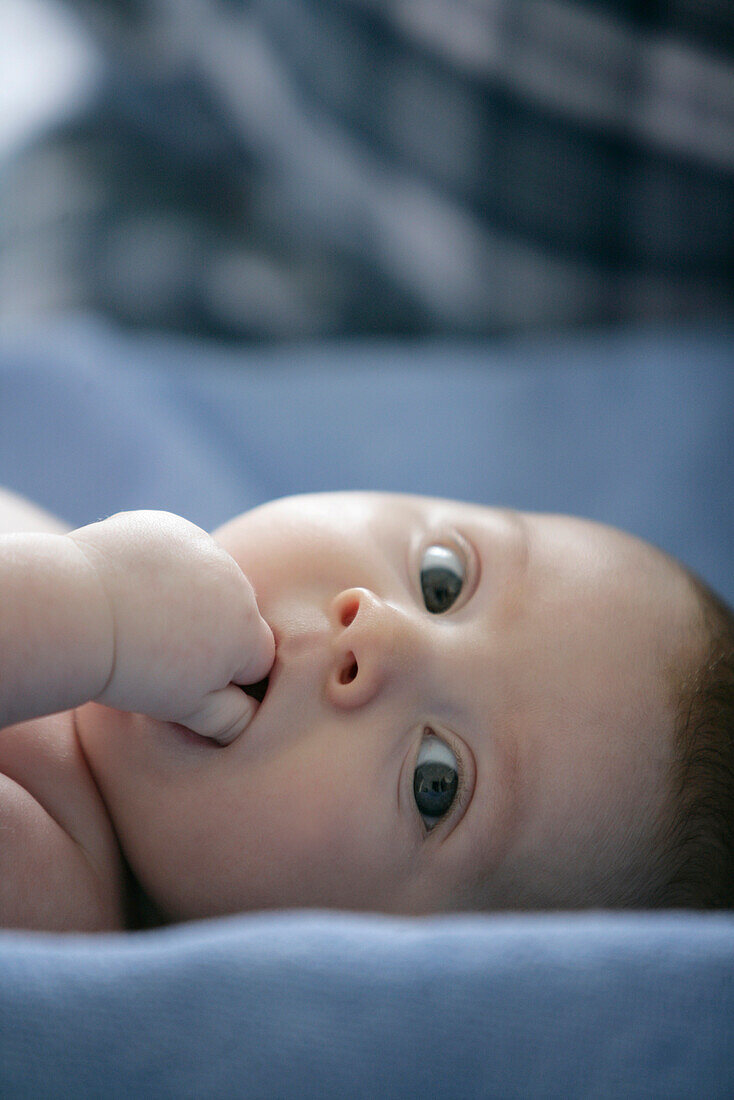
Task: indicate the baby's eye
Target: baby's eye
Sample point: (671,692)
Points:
(442,575)
(435,779)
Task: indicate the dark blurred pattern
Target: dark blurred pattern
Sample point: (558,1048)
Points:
(297,168)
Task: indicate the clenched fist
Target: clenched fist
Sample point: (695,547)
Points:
(184,624)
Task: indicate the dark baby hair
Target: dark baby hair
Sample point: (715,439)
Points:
(697,849)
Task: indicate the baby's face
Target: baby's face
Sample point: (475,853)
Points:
(533,679)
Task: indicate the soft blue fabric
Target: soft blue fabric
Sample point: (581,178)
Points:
(634,429)
(316,1004)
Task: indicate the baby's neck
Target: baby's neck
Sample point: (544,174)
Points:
(138,911)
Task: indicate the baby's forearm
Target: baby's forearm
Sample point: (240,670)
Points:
(56,628)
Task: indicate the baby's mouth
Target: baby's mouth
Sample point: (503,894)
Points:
(257,691)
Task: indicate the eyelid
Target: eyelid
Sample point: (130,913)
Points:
(466,766)
(471,561)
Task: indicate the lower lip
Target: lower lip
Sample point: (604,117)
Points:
(185,734)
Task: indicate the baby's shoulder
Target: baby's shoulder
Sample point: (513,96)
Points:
(60,868)
(17,513)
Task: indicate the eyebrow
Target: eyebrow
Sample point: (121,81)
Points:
(519,570)
(520,523)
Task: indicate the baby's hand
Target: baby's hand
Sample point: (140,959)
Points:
(184,621)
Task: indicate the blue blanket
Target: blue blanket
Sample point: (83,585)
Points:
(315,1004)
(634,429)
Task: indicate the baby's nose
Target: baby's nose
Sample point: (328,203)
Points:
(375,644)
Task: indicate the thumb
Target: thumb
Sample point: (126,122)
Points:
(260,656)
(223,715)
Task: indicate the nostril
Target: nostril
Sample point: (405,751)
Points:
(348,611)
(349,670)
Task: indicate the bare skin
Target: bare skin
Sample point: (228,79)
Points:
(544,679)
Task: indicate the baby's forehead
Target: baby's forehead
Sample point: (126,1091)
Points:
(629,558)
(410,507)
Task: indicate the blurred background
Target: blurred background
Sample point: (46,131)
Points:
(295,169)
(480,249)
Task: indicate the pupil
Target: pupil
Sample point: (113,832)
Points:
(434,788)
(441,588)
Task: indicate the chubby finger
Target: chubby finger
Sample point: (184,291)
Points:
(223,715)
(259,654)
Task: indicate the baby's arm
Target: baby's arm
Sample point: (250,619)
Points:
(142,611)
(55,630)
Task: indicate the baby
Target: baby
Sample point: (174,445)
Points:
(360,701)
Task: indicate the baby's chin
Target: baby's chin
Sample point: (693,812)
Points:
(101,731)
(129,753)
(117,746)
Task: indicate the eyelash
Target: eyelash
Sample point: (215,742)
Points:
(465,552)
(460,799)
